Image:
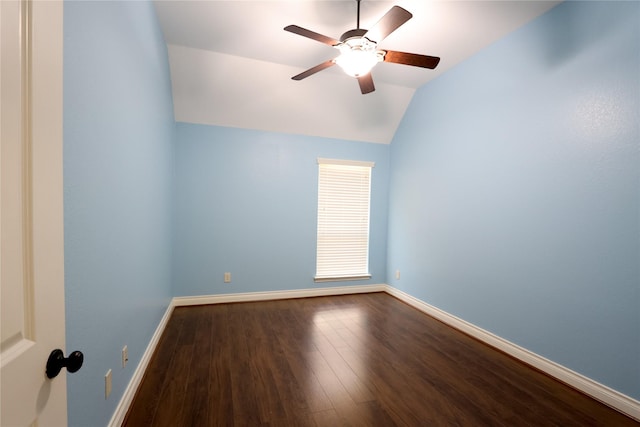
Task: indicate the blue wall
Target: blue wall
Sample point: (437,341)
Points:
(118,133)
(246,203)
(515,191)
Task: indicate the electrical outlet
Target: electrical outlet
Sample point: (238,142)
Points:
(107,384)
(397,274)
(125,356)
(227,277)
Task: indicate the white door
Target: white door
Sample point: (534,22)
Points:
(31,233)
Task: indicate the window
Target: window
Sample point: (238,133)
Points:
(344,189)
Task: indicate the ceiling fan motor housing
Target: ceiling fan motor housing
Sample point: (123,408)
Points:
(359,32)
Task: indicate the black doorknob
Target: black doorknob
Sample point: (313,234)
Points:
(57,361)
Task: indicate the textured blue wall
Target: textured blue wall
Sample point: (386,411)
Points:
(118,132)
(515,191)
(246,203)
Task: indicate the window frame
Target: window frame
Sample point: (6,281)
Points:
(324,252)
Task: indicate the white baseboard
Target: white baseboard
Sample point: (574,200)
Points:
(621,402)
(604,394)
(265,296)
(127,398)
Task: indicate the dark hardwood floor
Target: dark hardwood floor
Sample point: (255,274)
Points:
(357,360)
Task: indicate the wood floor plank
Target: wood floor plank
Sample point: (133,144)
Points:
(243,391)
(155,375)
(196,404)
(283,349)
(326,418)
(353,384)
(353,360)
(220,389)
(174,390)
(314,394)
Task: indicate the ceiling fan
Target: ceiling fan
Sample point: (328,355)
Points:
(359,52)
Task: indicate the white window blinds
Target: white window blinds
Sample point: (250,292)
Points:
(344,189)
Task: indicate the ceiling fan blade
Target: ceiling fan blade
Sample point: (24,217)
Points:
(395,17)
(414,59)
(311,34)
(314,70)
(366,84)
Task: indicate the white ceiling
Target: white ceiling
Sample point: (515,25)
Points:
(231,61)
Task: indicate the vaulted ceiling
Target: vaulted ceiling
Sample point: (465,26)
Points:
(231,61)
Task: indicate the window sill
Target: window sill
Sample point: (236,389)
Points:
(341,278)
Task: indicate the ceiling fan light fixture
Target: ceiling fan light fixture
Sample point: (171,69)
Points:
(358,56)
(358,48)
